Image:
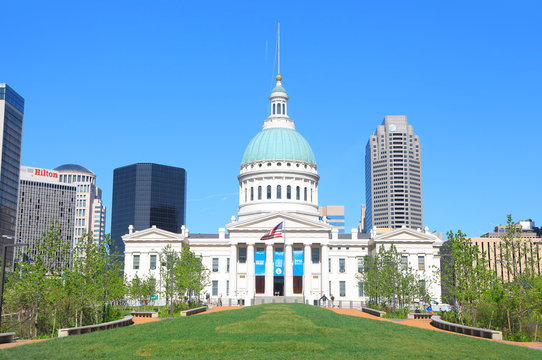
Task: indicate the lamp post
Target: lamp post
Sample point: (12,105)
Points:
(2,277)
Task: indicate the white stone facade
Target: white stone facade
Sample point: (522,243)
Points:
(277,163)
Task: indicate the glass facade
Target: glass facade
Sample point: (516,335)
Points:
(11,115)
(147,194)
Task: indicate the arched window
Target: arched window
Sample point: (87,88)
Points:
(288,192)
(279,192)
(245,195)
(251,194)
(268,192)
(283,108)
(259,192)
(297,193)
(305,194)
(273,109)
(278,108)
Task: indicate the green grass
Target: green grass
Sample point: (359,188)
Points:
(273,331)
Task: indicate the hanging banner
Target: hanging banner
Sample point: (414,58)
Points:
(259,262)
(278,263)
(298,262)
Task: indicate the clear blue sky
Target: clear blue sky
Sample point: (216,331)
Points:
(111,83)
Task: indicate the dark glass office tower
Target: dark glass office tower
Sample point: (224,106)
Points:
(145,195)
(11,122)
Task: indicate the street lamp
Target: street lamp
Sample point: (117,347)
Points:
(2,277)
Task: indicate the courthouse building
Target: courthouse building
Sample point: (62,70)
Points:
(278,184)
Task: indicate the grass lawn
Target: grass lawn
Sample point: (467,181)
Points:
(273,331)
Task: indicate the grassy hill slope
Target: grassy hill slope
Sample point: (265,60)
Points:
(274,331)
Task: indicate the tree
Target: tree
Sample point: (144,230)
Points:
(467,275)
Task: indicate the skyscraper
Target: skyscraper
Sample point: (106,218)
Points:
(393,176)
(147,194)
(11,122)
(334,215)
(43,201)
(89,212)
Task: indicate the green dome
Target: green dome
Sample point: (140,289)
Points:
(278,88)
(278,144)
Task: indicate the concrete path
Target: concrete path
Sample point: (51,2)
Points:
(220,308)
(426,324)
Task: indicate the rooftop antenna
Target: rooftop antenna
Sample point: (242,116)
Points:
(279,49)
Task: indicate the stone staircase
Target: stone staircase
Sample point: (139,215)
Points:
(277,299)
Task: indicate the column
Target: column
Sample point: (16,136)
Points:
(325,270)
(233,271)
(288,271)
(269,270)
(250,274)
(307,274)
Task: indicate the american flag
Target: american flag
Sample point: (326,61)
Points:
(276,232)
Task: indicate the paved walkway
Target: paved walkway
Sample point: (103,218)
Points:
(426,324)
(220,308)
(137,321)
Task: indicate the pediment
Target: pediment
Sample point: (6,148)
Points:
(406,235)
(292,223)
(153,234)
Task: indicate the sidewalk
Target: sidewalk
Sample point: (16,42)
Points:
(426,324)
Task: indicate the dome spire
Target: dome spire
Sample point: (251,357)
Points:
(279,78)
(279,111)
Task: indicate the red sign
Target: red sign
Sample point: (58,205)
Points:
(42,172)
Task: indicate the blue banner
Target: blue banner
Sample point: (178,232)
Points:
(298,262)
(279,263)
(259,262)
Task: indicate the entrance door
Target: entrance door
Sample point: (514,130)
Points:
(278,285)
(298,284)
(260,284)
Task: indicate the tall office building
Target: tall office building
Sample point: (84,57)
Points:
(393,176)
(334,215)
(11,118)
(43,200)
(147,194)
(89,210)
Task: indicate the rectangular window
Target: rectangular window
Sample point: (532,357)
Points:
(215,264)
(215,287)
(342,288)
(153,262)
(228,265)
(242,255)
(404,261)
(360,288)
(315,252)
(227,288)
(360,265)
(342,265)
(421,285)
(421,262)
(136,262)
(329,265)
